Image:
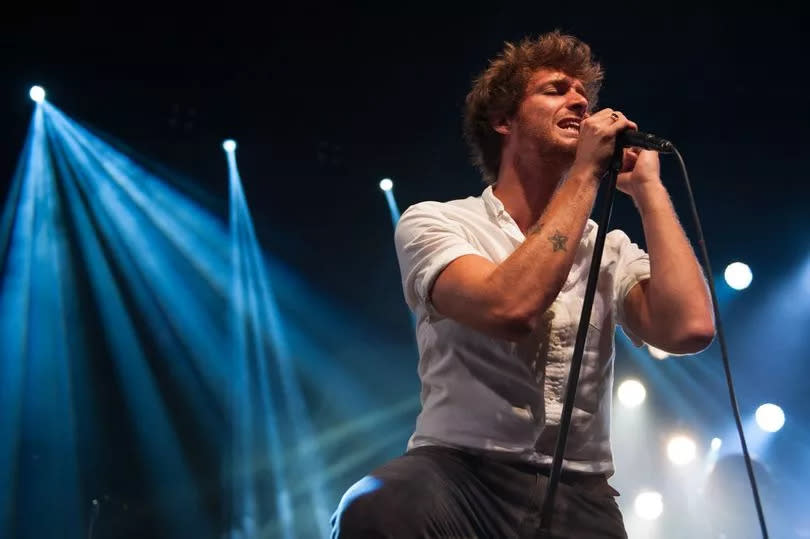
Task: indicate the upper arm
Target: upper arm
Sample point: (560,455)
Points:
(637,318)
(668,335)
(630,281)
(427,243)
(443,272)
(463,292)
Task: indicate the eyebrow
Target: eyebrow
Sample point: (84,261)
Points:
(578,86)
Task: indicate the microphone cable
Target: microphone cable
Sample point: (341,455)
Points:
(722,339)
(95,508)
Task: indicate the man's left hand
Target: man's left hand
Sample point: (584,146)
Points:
(640,169)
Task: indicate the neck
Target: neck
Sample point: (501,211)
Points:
(525,185)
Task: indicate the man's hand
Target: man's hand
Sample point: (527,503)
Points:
(640,169)
(672,310)
(597,139)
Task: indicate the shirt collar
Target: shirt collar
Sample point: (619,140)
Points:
(497,211)
(498,214)
(493,204)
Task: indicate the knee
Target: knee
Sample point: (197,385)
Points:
(356,512)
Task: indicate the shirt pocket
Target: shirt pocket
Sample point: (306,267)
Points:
(597,326)
(595,361)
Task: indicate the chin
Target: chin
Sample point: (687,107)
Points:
(564,142)
(566,148)
(561,149)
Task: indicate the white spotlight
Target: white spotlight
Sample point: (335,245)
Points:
(631,393)
(657,353)
(770,417)
(386,184)
(717,443)
(738,275)
(37,93)
(649,505)
(229,145)
(681,450)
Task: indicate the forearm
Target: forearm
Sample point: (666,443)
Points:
(676,295)
(527,282)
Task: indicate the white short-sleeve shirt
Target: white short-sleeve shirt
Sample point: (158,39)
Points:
(491,395)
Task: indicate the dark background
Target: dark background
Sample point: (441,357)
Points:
(324,101)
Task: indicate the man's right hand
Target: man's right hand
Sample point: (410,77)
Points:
(597,140)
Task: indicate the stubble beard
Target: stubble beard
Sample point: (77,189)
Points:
(551,147)
(559,155)
(548,149)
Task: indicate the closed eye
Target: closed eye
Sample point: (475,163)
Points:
(561,87)
(550,90)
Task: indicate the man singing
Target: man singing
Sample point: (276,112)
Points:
(497,284)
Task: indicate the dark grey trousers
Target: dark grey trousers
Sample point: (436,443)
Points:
(441,492)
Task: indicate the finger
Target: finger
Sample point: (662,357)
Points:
(629,160)
(617,116)
(619,122)
(623,177)
(603,114)
(628,124)
(632,152)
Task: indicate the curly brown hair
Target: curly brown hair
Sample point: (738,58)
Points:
(497,92)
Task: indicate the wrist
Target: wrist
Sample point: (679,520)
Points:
(587,172)
(650,196)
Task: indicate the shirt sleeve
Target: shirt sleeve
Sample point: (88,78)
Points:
(426,242)
(632,267)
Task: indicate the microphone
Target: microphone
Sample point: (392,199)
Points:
(646,141)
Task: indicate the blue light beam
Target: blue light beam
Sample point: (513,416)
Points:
(269,335)
(387,187)
(36,395)
(95,205)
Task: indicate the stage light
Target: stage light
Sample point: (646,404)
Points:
(126,227)
(631,393)
(681,450)
(386,185)
(738,275)
(770,417)
(37,93)
(261,344)
(716,444)
(649,505)
(229,145)
(657,353)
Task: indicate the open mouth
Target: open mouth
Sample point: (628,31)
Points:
(569,124)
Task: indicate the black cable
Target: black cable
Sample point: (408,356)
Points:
(94,511)
(547,511)
(721,337)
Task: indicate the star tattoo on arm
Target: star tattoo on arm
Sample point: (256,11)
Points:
(558,241)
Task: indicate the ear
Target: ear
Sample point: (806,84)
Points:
(502,125)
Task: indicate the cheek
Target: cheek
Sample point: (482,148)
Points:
(535,120)
(535,128)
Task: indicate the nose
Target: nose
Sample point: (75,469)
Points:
(577,102)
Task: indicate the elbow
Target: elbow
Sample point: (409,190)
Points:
(517,314)
(696,337)
(701,333)
(513,328)
(515,324)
